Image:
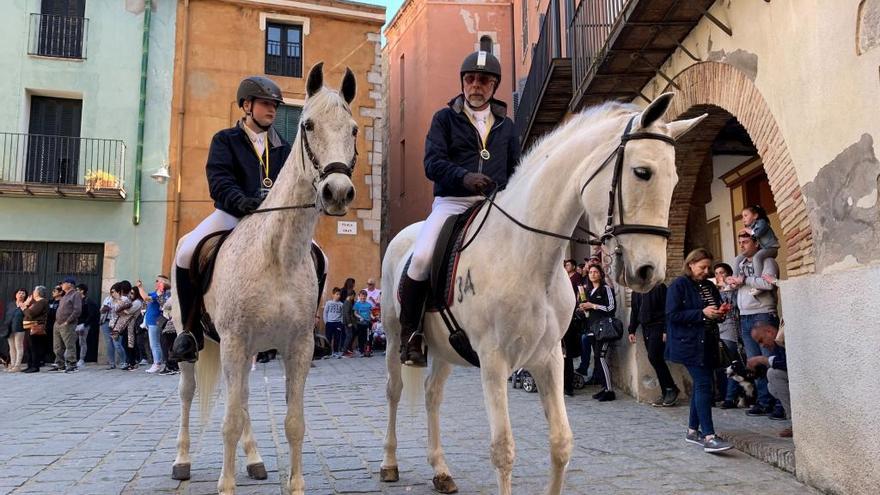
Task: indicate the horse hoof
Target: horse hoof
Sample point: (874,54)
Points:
(180,472)
(389,474)
(257,471)
(443,483)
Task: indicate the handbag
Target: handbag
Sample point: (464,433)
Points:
(37,328)
(608,329)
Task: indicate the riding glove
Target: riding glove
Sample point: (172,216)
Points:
(246,205)
(477,183)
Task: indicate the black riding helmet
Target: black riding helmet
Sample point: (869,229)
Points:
(482,61)
(258,87)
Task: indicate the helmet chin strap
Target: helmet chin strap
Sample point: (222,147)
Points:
(264,128)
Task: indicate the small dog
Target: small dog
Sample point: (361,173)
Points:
(746,377)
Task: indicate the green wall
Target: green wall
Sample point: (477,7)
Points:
(108,83)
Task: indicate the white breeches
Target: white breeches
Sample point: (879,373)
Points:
(423,250)
(217,221)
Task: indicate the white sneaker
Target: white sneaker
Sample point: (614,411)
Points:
(254,367)
(153,369)
(80,364)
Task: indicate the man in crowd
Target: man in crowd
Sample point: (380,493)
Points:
(374,294)
(87,323)
(756,306)
(64,344)
(649,310)
(765,335)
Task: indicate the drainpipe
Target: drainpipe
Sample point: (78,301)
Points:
(181,112)
(142,109)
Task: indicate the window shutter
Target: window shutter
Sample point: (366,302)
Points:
(287,121)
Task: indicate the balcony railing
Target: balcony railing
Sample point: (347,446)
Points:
(58,36)
(590,29)
(284,59)
(549,47)
(42,165)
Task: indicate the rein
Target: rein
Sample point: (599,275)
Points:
(333,168)
(611,229)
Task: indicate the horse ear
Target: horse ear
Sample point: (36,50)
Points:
(316,79)
(681,127)
(655,110)
(349,86)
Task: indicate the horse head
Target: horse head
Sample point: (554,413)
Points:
(633,224)
(328,138)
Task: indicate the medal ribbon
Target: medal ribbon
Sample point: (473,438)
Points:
(490,121)
(264,164)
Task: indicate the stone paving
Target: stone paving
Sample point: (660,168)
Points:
(111,432)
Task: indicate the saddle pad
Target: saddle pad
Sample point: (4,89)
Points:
(444,261)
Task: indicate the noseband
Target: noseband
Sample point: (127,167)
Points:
(612,229)
(332,168)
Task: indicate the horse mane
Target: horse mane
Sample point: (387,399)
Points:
(594,120)
(324,101)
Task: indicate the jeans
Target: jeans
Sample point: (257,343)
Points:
(701,400)
(729,387)
(587,342)
(747,322)
(155,343)
(115,352)
(82,340)
(335,333)
(361,335)
(656,347)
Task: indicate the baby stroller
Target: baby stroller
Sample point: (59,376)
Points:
(523,379)
(378,341)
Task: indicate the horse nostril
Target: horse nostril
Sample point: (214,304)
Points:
(645,272)
(327,194)
(349,196)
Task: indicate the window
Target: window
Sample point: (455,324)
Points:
(283,50)
(18,261)
(53,149)
(402,73)
(402,173)
(77,263)
(525,27)
(287,121)
(60,29)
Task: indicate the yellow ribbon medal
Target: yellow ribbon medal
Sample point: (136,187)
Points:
(267,182)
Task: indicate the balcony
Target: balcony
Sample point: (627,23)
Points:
(36,165)
(58,36)
(618,46)
(547,92)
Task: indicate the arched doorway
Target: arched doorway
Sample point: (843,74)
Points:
(724,92)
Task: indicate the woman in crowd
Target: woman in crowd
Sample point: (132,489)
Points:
(693,310)
(600,304)
(14,328)
(347,288)
(348,322)
(36,312)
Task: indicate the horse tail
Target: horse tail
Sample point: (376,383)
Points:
(207,378)
(413,386)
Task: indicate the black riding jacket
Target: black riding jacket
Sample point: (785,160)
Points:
(233,169)
(453,147)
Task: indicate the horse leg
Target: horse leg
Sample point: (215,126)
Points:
(494,373)
(440,371)
(180,470)
(549,379)
(296,367)
(256,469)
(235,364)
(393,387)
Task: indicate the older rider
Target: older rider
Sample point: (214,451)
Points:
(471,148)
(243,163)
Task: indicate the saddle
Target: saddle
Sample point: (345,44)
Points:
(444,267)
(202,272)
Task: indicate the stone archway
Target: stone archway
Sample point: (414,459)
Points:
(722,90)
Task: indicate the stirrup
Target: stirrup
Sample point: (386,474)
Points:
(411,356)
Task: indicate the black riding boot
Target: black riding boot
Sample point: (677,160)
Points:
(412,307)
(188,342)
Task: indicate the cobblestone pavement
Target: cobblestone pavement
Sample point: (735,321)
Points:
(102,432)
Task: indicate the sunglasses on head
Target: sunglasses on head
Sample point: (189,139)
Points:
(478,78)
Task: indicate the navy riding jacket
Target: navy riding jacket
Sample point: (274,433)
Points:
(233,169)
(453,147)
(685,325)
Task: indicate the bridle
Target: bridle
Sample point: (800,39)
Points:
(615,196)
(324,172)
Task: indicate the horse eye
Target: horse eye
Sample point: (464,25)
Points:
(354,131)
(643,173)
(309,125)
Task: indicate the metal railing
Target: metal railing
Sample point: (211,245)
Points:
(62,160)
(58,36)
(549,46)
(284,59)
(590,29)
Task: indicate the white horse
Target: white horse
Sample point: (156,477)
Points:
(563,178)
(268,252)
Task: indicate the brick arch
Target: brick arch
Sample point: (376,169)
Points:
(723,91)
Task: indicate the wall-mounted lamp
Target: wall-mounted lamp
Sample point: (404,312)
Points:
(162,174)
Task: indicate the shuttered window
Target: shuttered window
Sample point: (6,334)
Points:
(53,141)
(287,121)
